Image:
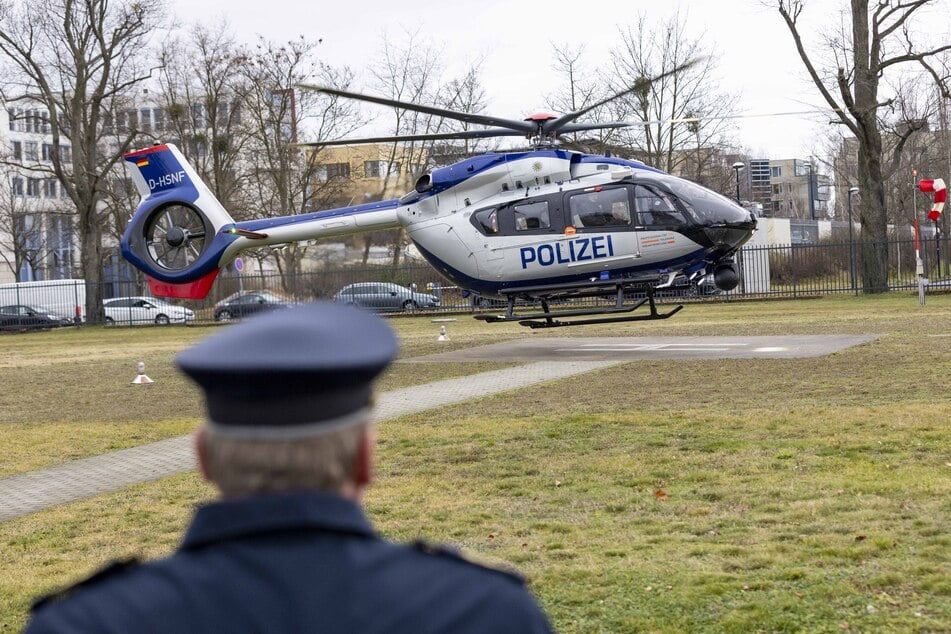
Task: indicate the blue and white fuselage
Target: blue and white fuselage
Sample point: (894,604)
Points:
(492,224)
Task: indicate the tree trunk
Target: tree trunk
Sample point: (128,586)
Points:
(874,220)
(90,260)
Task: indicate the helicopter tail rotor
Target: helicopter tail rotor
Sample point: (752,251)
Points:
(176,233)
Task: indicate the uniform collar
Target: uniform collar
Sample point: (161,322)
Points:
(236,518)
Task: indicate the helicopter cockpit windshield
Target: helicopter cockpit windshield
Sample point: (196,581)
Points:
(709,207)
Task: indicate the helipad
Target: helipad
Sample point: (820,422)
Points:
(635,348)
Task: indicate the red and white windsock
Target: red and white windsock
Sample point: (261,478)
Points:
(940,196)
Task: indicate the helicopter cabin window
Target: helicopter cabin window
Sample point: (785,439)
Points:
(533,215)
(656,208)
(487,220)
(600,208)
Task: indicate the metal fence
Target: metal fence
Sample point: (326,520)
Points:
(766,271)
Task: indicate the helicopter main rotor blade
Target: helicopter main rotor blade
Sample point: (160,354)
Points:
(556,126)
(581,127)
(436,136)
(522,127)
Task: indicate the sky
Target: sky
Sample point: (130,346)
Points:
(757,57)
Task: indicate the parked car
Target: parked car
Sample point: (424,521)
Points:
(385,296)
(57,297)
(23,317)
(145,310)
(245,303)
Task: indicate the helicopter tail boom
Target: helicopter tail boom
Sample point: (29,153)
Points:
(180,234)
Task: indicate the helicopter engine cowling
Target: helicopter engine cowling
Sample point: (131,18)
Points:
(490,174)
(725,275)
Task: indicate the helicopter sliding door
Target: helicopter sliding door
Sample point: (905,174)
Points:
(601,221)
(511,234)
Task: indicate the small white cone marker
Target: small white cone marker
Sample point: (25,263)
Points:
(141,378)
(442,334)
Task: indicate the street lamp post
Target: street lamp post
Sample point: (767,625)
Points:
(812,200)
(852,192)
(736,168)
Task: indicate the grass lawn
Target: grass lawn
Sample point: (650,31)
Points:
(733,495)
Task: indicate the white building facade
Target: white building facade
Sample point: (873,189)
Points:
(37,217)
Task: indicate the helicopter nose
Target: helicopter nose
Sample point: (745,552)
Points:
(730,235)
(726,224)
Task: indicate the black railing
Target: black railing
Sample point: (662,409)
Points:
(775,271)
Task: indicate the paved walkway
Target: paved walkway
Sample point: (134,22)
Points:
(79,479)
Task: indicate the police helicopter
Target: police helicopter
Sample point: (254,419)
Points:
(545,224)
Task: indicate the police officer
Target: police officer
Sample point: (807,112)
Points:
(287,547)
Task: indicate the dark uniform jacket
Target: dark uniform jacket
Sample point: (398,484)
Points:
(293,563)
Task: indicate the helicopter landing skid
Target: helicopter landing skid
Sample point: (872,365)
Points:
(550,319)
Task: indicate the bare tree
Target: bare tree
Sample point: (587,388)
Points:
(409,71)
(882,40)
(285,179)
(581,89)
(464,94)
(682,110)
(77,58)
(202,89)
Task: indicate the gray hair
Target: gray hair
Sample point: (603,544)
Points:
(241,466)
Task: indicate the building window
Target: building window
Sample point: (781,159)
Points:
(126,120)
(17,186)
(221,114)
(61,244)
(373,169)
(49,187)
(17,120)
(158,119)
(776,172)
(198,115)
(328,171)
(65,154)
(31,151)
(17,151)
(47,152)
(377,169)
(33,187)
